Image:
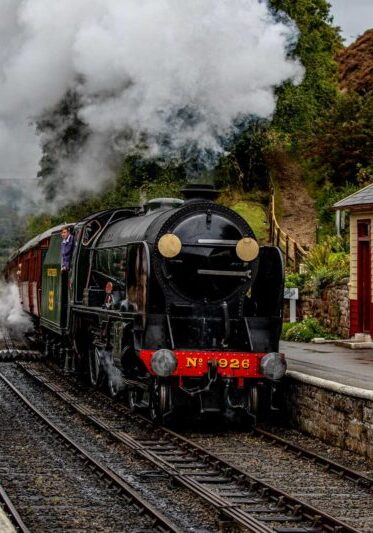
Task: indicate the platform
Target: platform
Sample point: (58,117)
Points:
(329,362)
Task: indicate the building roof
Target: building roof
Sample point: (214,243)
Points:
(363,198)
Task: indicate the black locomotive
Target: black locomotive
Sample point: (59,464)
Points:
(173,305)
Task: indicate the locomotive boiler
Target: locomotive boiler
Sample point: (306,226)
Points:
(174,305)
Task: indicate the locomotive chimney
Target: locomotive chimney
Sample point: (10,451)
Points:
(196,191)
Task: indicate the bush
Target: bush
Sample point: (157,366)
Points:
(305,331)
(294,279)
(327,263)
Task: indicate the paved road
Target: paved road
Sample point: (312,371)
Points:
(327,361)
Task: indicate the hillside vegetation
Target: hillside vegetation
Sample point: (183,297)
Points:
(323,128)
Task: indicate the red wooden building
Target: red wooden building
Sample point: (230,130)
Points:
(360,208)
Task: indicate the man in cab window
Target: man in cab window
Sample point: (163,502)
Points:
(67,248)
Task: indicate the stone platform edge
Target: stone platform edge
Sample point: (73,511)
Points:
(337,414)
(339,388)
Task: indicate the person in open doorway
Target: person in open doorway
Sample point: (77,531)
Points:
(67,248)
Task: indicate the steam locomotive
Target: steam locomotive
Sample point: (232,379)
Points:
(173,305)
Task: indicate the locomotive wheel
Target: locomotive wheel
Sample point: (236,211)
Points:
(96,371)
(160,401)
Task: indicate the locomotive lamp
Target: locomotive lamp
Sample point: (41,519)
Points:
(169,245)
(247,249)
(273,366)
(164,363)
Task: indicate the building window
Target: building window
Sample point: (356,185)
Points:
(363,228)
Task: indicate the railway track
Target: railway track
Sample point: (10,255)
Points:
(331,466)
(241,498)
(15,350)
(151,518)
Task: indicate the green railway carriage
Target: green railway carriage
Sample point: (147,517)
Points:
(25,266)
(54,289)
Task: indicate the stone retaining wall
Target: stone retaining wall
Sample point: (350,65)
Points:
(337,418)
(331,307)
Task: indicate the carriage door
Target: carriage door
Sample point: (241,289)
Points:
(364,275)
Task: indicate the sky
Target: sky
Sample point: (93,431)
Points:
(353,16)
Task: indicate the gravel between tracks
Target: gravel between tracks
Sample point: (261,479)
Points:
(49,486)
(186,511)
(297,476)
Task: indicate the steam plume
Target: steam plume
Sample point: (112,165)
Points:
(12,315)
(152,76)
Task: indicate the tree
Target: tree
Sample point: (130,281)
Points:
(62,134)
(299,107)
(342,150)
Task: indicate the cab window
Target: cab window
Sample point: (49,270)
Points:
(90,232)
(111,263)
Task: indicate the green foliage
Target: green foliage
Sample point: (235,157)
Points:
(295,279)
(325,199)
(250,206)
(305,331)
(245,165)
(327,262)
(299,107)
(37,224)
(255,215)
(136,182)
(63,133)
(342,149)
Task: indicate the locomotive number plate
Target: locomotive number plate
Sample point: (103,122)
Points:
(52,272)
(195,362)
(234,363)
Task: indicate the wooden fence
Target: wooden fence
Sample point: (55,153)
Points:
(293,252)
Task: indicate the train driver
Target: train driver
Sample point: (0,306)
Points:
(67,248)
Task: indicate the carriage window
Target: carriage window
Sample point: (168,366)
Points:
(90,232)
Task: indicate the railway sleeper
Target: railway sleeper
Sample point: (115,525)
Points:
(11,355)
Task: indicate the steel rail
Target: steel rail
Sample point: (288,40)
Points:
(329,465)
(160,522)
(11,512)
(297,508)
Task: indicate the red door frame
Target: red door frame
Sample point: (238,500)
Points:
(364,274)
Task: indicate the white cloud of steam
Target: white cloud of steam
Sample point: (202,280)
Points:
(12,315)
(136,64)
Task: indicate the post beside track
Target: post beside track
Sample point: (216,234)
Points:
(160,522)
(242,498)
